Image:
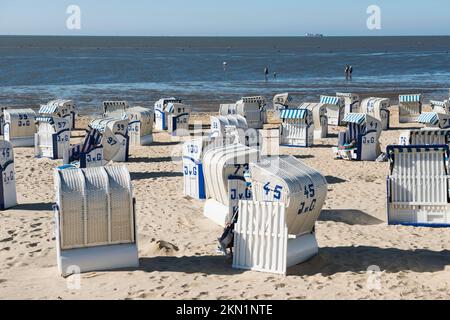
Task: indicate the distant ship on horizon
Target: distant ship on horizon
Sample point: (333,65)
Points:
(313,35)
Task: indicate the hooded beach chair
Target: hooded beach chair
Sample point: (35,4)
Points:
(193,173)
(178,119)
(427,136)
(440,106)
(320,119)
(53,137)
(377,108)
(335,109)
(219,124)
(281,101)
(94,219)
(161,112)
(418,185)
(435,120)
(114,138)
(114,107)
(251,108)
(276,229)
(140,126)
(297,128)
(361,139)
(224,169)
(351,101)
(8,196)
(409,108)
(19,127)
(60,109)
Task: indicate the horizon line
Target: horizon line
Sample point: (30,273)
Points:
(219,36)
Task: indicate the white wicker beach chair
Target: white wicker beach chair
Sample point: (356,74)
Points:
(111,108)
(276,229)
(418,185)
(140,127)
(224,168)
(425,137)
(178,119)
(297,128)
(94,219)
(435,120)
(409,108)
(193,172)
(351,101)
(19,127)
(161,114)
(320,118)
(281,101)
(53,137)
(8,196)
(113,137)
(335,109)
(251,108)
(60,109)
(440,106)
(361,139)
(377,108)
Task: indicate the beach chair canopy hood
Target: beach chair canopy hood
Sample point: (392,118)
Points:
(302,189)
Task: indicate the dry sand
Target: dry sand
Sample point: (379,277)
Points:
(177,244)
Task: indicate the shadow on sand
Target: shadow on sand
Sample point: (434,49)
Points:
(154,175)
(154,160)
(350,217)
(42,206)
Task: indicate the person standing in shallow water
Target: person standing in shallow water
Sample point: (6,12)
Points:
(266,73)
(347,72)
(350,72)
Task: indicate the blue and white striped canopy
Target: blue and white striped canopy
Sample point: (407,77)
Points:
(48,108)
(410,98)
(358,118)
(329,100)
(293,113)
(428,117)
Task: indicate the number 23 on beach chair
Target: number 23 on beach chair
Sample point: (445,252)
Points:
(361,139)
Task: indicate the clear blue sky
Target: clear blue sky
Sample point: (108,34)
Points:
(224,17)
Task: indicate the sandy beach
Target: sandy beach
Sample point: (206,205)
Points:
(177,243)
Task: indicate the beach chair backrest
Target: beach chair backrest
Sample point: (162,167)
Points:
(302,189)
(425,137)
(53,137)
(335,109)
(19,123)
(223,162)
(95,207)
(440,106)
(419,174)
(110,107)
(281,101)
(410,107)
